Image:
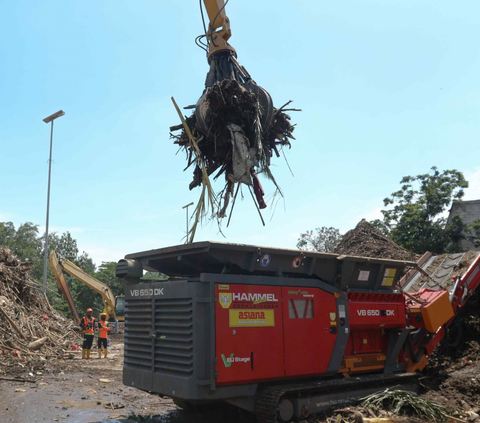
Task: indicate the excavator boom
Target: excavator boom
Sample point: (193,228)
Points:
(218,31)
(62,283)
(216,12)
(60,265)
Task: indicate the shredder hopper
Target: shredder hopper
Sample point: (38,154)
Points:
(192,260)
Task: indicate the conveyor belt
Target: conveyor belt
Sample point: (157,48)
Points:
(441,269)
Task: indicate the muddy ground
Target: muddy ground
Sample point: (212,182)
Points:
(70,390)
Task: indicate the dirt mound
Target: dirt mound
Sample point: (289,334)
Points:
(30,329)
(470,317)
(367,241)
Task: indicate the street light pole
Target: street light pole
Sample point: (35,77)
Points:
(186,209)
(48,119)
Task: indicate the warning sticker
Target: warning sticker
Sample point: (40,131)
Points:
(364,275)
(251,318)
(389,277)
(387,281)
(341,311)
(390,273)
(265,260)
(297,261)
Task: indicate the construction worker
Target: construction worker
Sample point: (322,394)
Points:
(88,326)
(103,335)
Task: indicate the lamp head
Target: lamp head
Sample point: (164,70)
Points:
(54,116)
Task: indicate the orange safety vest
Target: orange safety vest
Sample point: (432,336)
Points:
(86,321)
(103,329)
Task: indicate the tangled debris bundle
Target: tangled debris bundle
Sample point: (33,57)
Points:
(232,142)
(29,326)
(406,402)
(367,241)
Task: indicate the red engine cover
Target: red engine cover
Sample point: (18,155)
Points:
(249,333)
(272,332)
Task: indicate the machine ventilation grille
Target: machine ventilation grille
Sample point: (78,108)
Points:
(174,336)
(138,340)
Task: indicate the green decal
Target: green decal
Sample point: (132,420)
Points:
(226,361)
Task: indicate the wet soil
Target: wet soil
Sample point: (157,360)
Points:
(70,391)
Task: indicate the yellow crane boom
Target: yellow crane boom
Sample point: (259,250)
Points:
(223,62)
(218,31)
(60,265)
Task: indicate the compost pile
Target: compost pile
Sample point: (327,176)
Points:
(236,146)
(367,241)
(29,326)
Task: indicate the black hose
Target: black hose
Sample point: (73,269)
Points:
(455,331)
(213,23)
(203,17)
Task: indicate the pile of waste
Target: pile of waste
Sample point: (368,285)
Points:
(29,326)
(470,317)
(367,241)
(232,141)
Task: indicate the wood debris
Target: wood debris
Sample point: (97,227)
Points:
(24,332)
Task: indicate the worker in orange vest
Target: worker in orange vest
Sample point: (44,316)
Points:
(88,326)
(103,335)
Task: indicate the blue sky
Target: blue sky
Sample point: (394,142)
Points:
(387,89)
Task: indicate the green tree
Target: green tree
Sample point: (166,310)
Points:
(26,244)
(23,242)
(473,231)
(154,276)
(381,226)
(323,239)
(65,246)
(106,274)
(84,296)
(7,233)
(416,220)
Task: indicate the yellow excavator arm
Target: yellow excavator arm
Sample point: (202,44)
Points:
(60,265)
(218,31)
(222,59)
(62,283)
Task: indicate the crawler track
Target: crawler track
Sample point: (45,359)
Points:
(324,394)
